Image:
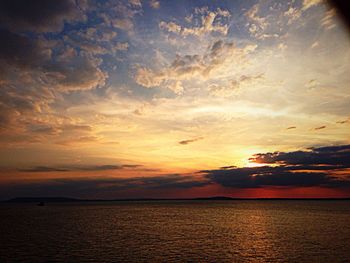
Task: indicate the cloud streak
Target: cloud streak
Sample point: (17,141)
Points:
(82,168)
(320,128)
(185,142)
(102,186)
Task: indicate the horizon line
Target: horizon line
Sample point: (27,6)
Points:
(212,198)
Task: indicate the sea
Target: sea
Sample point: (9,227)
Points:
(176,231)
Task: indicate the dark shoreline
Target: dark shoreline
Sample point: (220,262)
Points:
(218,198)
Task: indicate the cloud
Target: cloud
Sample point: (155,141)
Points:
(252,14)
(320,128)
(78,141)
(102,186)
(207,23)
(185,142)
(122,23)
(267,177)
(323,167)
(170,27)
(21,51)
(257,25)
(32,80)
(67,71)
(315,44)
(121,46)
(154,4)
(148,78)
(272,22)
(79,73)
(226,90)
(117,14)
(99,33)
(189,67)
(344,121)
(328,20)
(23,128)
(176,87)
(231,87)
(291,127)
(76,127)
(43,129)
(309,3)
(44,169)
(96,41)
(21,98)
(70,168)
(39,15)
(311,84)
(36,69)
(331,155)
(135,3)
(293,14)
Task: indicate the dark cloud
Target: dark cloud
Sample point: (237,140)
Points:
(330,155)
(44,169)
(80,168)
(75,127)
(320,128)
(324,166)
(131,165)
(106,186)
(39,15)
(52,62)
(43,129)
(66,72)
(185,142)
(31,77)
(344,121)
(20,50)
(18,104)
(291,127)
(255,177)
(79,73)
(36,69)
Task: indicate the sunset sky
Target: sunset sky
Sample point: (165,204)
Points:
(173,99)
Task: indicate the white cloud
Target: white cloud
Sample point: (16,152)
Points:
(216,59)
(154,4)
(328,20)
(170,27)
(309,3)
(207,23)
(135,3)
(293,14)
(231,87)
(124,24)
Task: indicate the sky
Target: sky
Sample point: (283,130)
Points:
(174,99)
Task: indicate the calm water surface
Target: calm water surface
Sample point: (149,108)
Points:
(177,231)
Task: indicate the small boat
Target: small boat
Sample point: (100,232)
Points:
(41,204)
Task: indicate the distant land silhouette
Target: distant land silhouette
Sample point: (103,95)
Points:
(213,198)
